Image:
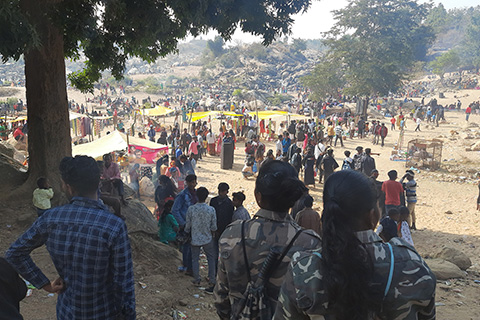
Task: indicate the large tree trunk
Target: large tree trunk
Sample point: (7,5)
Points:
(48,118)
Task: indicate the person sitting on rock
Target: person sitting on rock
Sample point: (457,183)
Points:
(111,174)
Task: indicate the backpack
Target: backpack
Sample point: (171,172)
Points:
(255,304)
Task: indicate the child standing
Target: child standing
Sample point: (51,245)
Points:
(42,196)
(347,162)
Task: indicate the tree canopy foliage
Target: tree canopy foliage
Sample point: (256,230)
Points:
(109,32)
(326,79)
(376,42)
(471,43)
(447,62)
(106,34)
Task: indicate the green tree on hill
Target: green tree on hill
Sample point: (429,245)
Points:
(439,19)
(376,42)
(471,44)
(107,33)
(326,79)
(447,62)
(216,46)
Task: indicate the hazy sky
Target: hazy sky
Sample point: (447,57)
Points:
(319,18)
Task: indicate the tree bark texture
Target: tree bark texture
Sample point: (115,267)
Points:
(48,117)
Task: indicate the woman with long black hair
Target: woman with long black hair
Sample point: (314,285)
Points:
(355,275)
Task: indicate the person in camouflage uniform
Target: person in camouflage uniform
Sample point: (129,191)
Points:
(276,190)
(355,275)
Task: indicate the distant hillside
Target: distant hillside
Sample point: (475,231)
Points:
(249,66)
(450,26)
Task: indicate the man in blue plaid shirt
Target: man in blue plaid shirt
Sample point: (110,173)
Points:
(89,247)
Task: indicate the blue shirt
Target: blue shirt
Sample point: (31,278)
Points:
(286,144)
(179,210)
(90,249)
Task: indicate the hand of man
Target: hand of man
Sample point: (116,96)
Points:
(56,286)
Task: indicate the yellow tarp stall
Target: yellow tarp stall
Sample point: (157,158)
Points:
(200,115)
(157,111)
(263,115)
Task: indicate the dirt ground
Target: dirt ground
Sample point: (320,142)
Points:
(451,189)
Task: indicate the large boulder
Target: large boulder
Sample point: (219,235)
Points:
(454,256)
(13,173)
(444,270)
(139,218)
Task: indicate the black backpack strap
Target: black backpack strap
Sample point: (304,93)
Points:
(247,267)
(289,246)
(284,252)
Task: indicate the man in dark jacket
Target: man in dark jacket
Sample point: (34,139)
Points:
(224,210)
(368,163)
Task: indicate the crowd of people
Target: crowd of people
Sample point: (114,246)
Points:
(318,248)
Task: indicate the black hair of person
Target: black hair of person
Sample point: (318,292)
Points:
(223,186)
(202,194)
(190,178)
(41,182)
(167,207)
(403,211)
(82,173)
(347,268)
(279,185)
(308,201)
(392,174)
(239,196)
(393,212)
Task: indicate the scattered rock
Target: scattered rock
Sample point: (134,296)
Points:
(182,302)
(7,149)
(475,146)
(444,270)
(448,212)
(454,256)
(147,188)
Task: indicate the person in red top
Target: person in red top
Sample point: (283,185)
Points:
(20,136)
(467,112)
(392,121)
(393,191)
